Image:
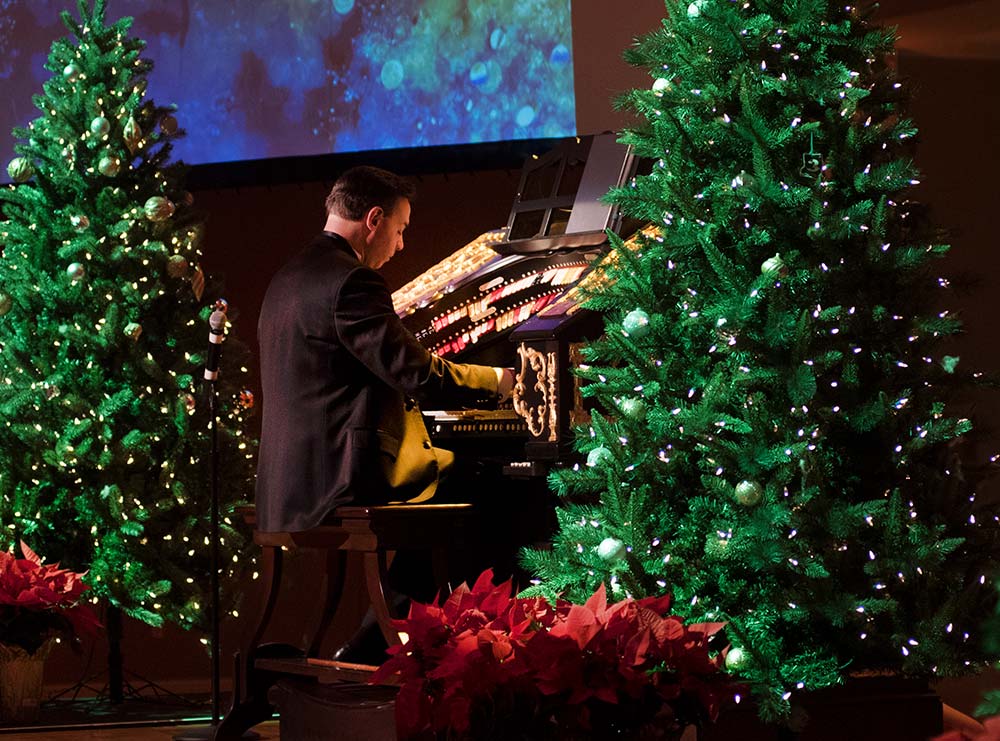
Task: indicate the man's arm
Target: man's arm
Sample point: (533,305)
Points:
(368,327)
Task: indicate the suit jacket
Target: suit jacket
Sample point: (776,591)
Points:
(340,378)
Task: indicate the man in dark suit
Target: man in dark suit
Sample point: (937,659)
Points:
(342,377)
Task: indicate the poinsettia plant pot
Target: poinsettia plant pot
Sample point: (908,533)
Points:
(21,683)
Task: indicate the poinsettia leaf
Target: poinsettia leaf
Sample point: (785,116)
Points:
(598,602)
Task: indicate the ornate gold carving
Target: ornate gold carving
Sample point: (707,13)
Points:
(545,368)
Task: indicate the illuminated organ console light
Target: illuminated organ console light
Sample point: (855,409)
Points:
(508,299)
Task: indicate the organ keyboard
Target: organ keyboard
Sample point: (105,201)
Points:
(508,299)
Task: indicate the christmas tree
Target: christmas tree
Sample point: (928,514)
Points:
(770,443)
(104,445)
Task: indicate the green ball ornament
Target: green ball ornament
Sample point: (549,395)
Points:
(80,222)
(773,265)
(611,549)
(636,323)
(633,409)
(100,126)
(158,209)
(599,456)
(109,166)
(76,271)
(749,493)
(20,169)
(71,72)
(736,659)
(5,304)
(168,125)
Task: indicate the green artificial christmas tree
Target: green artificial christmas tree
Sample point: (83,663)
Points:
(104,442)
(771,444)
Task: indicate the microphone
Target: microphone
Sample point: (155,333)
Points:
(216,336)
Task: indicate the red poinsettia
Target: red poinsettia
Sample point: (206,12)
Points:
(40,600)
(486,664)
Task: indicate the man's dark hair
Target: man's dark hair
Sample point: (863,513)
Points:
(362,188)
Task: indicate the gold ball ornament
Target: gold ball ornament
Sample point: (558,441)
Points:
(109,166)
(246,399)
(749,493)
(71,72)
(133,330)
(80,222)
(158,209)
(132,135)
(177,266)
(76,271)
(187,198)
(5,304)
(20,169)
(168,125)
(100,126)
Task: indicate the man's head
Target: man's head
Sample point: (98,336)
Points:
(370,208)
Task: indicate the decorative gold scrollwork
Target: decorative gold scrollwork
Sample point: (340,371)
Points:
(545,367)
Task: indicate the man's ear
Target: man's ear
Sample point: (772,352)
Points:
(373,217)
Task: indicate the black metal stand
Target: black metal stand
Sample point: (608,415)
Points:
(201,733)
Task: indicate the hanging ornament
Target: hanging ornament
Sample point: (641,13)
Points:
(246,399)
(743,180)
(694,9)
(158,208)
(749,493)
(20,169)
(80,222)
(774,265)
(198,283)
(812,162)
(736,659)
(187,198)
(168,125)
(109,165)
(633,408)
(133,330)
(76,271)
(189,402)
(177,266)
(100,126)
(661,85)
(71,72)
(51,391)
(599,456)
(611,549)
(132,135)
(636,323)
(5,303)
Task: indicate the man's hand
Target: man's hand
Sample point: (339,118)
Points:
(505,383)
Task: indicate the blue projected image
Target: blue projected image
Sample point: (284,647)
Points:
(300,77)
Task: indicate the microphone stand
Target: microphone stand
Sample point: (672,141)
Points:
(202,733)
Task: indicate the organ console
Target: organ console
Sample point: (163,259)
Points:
(511,298)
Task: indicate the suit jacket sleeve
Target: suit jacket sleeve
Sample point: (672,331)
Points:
(368,327)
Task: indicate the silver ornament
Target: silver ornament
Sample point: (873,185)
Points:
(100,126)
(611,549)
(76,271)
(109,166)
(80,222)
(158,208)
(749,493)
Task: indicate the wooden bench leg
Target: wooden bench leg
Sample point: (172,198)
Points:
(336,567)
(271,563)
(376,568)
